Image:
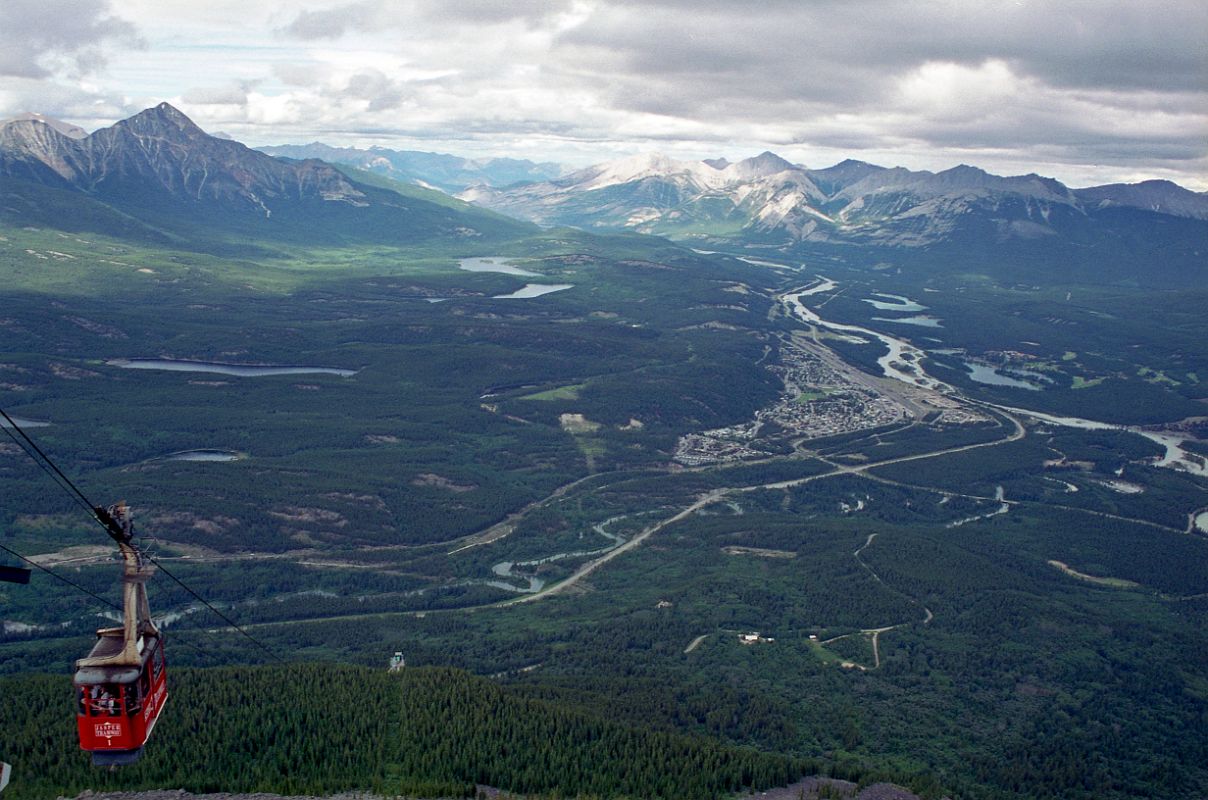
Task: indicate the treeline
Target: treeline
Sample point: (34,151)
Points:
(318,729)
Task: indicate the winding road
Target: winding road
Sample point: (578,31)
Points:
(1005,417)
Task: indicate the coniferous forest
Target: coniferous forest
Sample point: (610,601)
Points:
(317,729)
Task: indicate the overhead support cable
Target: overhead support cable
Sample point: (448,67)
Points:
(102,517)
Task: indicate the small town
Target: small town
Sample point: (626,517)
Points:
(817,401)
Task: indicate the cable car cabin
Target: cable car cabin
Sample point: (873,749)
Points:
(117,706)
(122,685)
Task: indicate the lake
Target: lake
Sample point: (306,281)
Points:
(23,423)
(204,455)
(533,290)
(923,320)
(895,303)
(494,264)
(238,370)
(984,373)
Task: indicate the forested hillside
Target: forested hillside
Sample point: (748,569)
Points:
(316,729)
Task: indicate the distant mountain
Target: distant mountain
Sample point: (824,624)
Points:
(65,128)
(1162,197)
(1022,227)
(898,207)
(1027,225)
(437,170)
(160,169)
(161,152)
(768,200)
(845,173)
(656,194)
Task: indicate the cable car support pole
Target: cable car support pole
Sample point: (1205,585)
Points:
(136,612)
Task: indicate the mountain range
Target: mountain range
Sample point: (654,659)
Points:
(441,171)
(766,199)
(160,176)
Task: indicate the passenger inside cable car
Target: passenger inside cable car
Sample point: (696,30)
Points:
(101,700)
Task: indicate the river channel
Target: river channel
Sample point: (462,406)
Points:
(507,569)
(904,363)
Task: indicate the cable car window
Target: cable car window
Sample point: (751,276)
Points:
(104,700)
(131,696)
(83,696)
(157,660)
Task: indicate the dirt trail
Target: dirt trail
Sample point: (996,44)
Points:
(502,529)
(876,650)
(874,634)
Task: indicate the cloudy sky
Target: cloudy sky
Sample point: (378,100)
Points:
(1088,91)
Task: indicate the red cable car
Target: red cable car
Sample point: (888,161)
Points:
(121,687)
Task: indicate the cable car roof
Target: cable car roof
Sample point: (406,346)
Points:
(109,646)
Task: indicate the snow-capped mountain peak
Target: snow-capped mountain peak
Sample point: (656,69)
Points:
(648,165)
(760,166)
(770,201)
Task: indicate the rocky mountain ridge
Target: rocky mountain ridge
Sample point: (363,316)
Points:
(157,175)
(161,151)
(766,199)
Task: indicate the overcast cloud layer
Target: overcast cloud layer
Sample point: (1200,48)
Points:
(1089,91)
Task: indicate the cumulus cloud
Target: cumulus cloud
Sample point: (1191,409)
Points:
(332,23)
(1075,88)
(1084,81)
(39,38)
(371,16)
(235,94)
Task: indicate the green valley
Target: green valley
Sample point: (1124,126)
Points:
(694,523)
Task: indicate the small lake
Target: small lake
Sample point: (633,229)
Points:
(895,303)
(1201,521)
(204,455)
(922,320)
(533,290)
(494,264)
(984,373)
(23,423)
(238,370)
